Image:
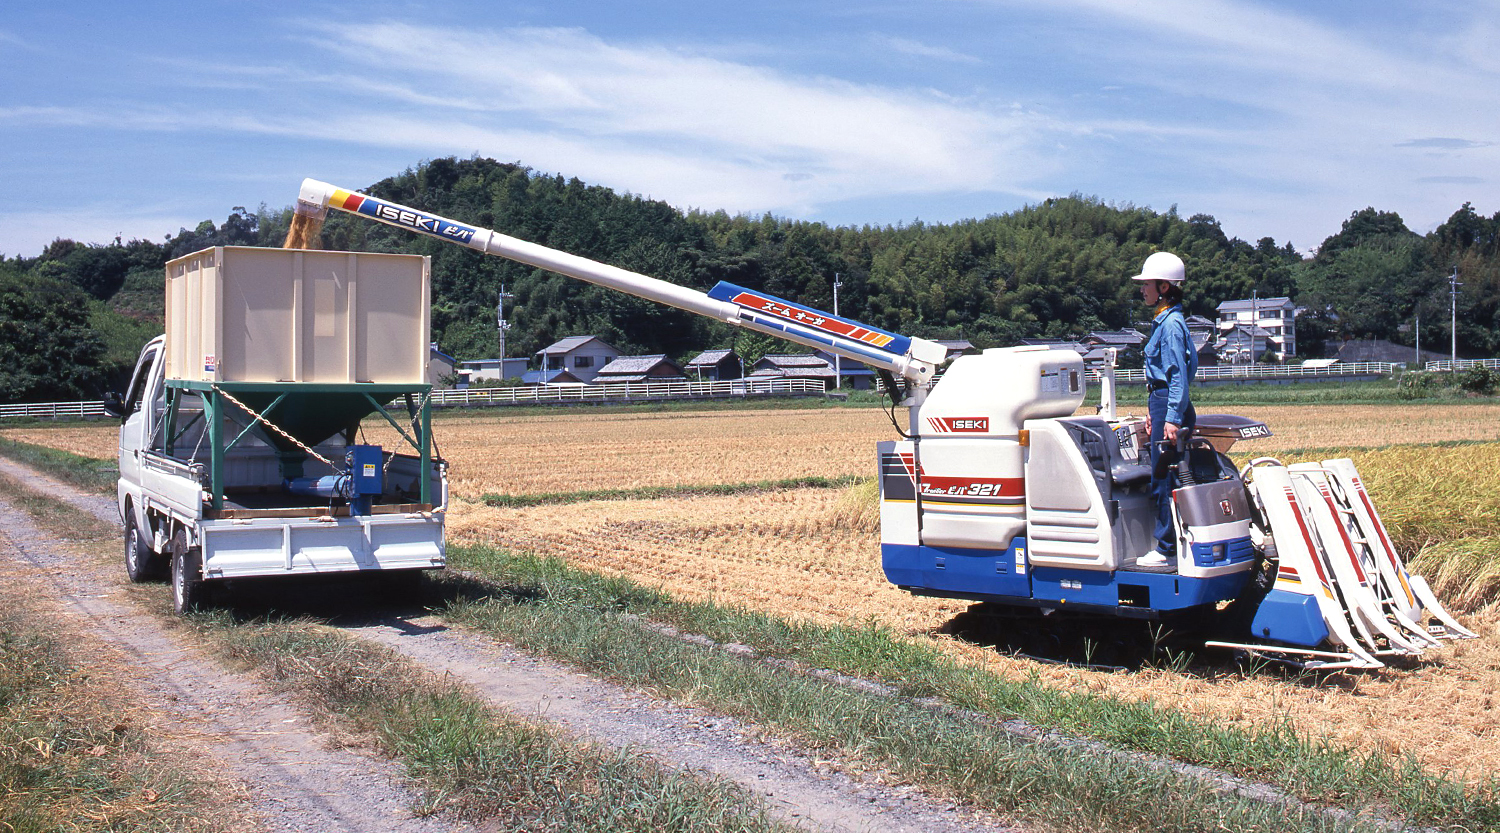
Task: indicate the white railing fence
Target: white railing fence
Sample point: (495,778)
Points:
(53,410)
(543,394)
(1462,364)
(624,391)
(1269,371)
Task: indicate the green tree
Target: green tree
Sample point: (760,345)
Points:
(48,352)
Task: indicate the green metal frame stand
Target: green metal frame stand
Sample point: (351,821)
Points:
(310,413)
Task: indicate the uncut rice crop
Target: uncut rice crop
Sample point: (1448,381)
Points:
(1442,511)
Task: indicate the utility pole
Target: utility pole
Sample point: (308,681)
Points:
(1419,339)
(1453,286)
(1254,323)
(501,324)
(838,368)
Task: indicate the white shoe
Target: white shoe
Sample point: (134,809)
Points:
(1154,558)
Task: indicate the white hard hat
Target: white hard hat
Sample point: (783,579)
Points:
(1162,266)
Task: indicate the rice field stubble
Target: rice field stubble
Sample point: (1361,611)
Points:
(806,553)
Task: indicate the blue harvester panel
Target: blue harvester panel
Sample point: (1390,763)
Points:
(960,571)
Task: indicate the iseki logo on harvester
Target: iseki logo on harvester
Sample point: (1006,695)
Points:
(960,425)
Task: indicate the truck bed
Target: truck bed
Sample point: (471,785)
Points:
(263,530)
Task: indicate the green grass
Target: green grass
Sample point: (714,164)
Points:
(549,606)
(470,759)
(658,492)
(71,760)
(83,472)
(949,753)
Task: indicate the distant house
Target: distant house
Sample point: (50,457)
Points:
(440,365)
(657,368)
(482,369)
(1380,350)
(1119,339)
(856,375)
(714,366)
(793,366)
(956,347)
(1277,317)
(582,356)
(1243,344)
(549,377)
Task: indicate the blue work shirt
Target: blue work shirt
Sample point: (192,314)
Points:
(1171,360)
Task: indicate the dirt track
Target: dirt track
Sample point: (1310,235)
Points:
(297,780)
(289,772)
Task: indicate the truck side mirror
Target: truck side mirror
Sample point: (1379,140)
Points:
(114,405)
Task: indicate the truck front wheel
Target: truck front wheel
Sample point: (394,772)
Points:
(188,591)
(141,564)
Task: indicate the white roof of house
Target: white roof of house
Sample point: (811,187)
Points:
(1247,304)
(571,343)
(795,360)
(709,357)
(625,365)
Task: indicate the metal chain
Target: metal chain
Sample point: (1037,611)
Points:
(274,427)
(391,458)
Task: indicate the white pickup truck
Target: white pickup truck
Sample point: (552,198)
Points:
(252,525)
(223,479)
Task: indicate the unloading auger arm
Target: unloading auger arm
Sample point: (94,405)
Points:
(913,359)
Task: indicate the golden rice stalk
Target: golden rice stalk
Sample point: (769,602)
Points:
(858,508)
(1464,574)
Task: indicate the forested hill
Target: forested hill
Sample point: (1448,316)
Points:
(1057,268)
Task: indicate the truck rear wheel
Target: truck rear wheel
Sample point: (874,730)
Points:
(188,591)
(141,564)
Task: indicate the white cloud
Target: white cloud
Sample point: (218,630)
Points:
(579,100)
(917,49)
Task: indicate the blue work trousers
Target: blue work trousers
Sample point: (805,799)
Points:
(1161,487)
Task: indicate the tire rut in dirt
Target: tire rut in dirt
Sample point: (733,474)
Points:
(797,787)
(296,781)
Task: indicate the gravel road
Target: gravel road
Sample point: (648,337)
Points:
(294,776)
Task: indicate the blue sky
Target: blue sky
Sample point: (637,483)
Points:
(1280,119)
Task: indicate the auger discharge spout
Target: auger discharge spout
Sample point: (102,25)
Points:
(914,359)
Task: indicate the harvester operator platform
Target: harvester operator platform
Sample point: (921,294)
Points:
(1170,362)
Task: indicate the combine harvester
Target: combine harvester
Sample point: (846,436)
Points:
(998,494)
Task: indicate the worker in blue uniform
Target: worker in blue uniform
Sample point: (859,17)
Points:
(1171,362)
